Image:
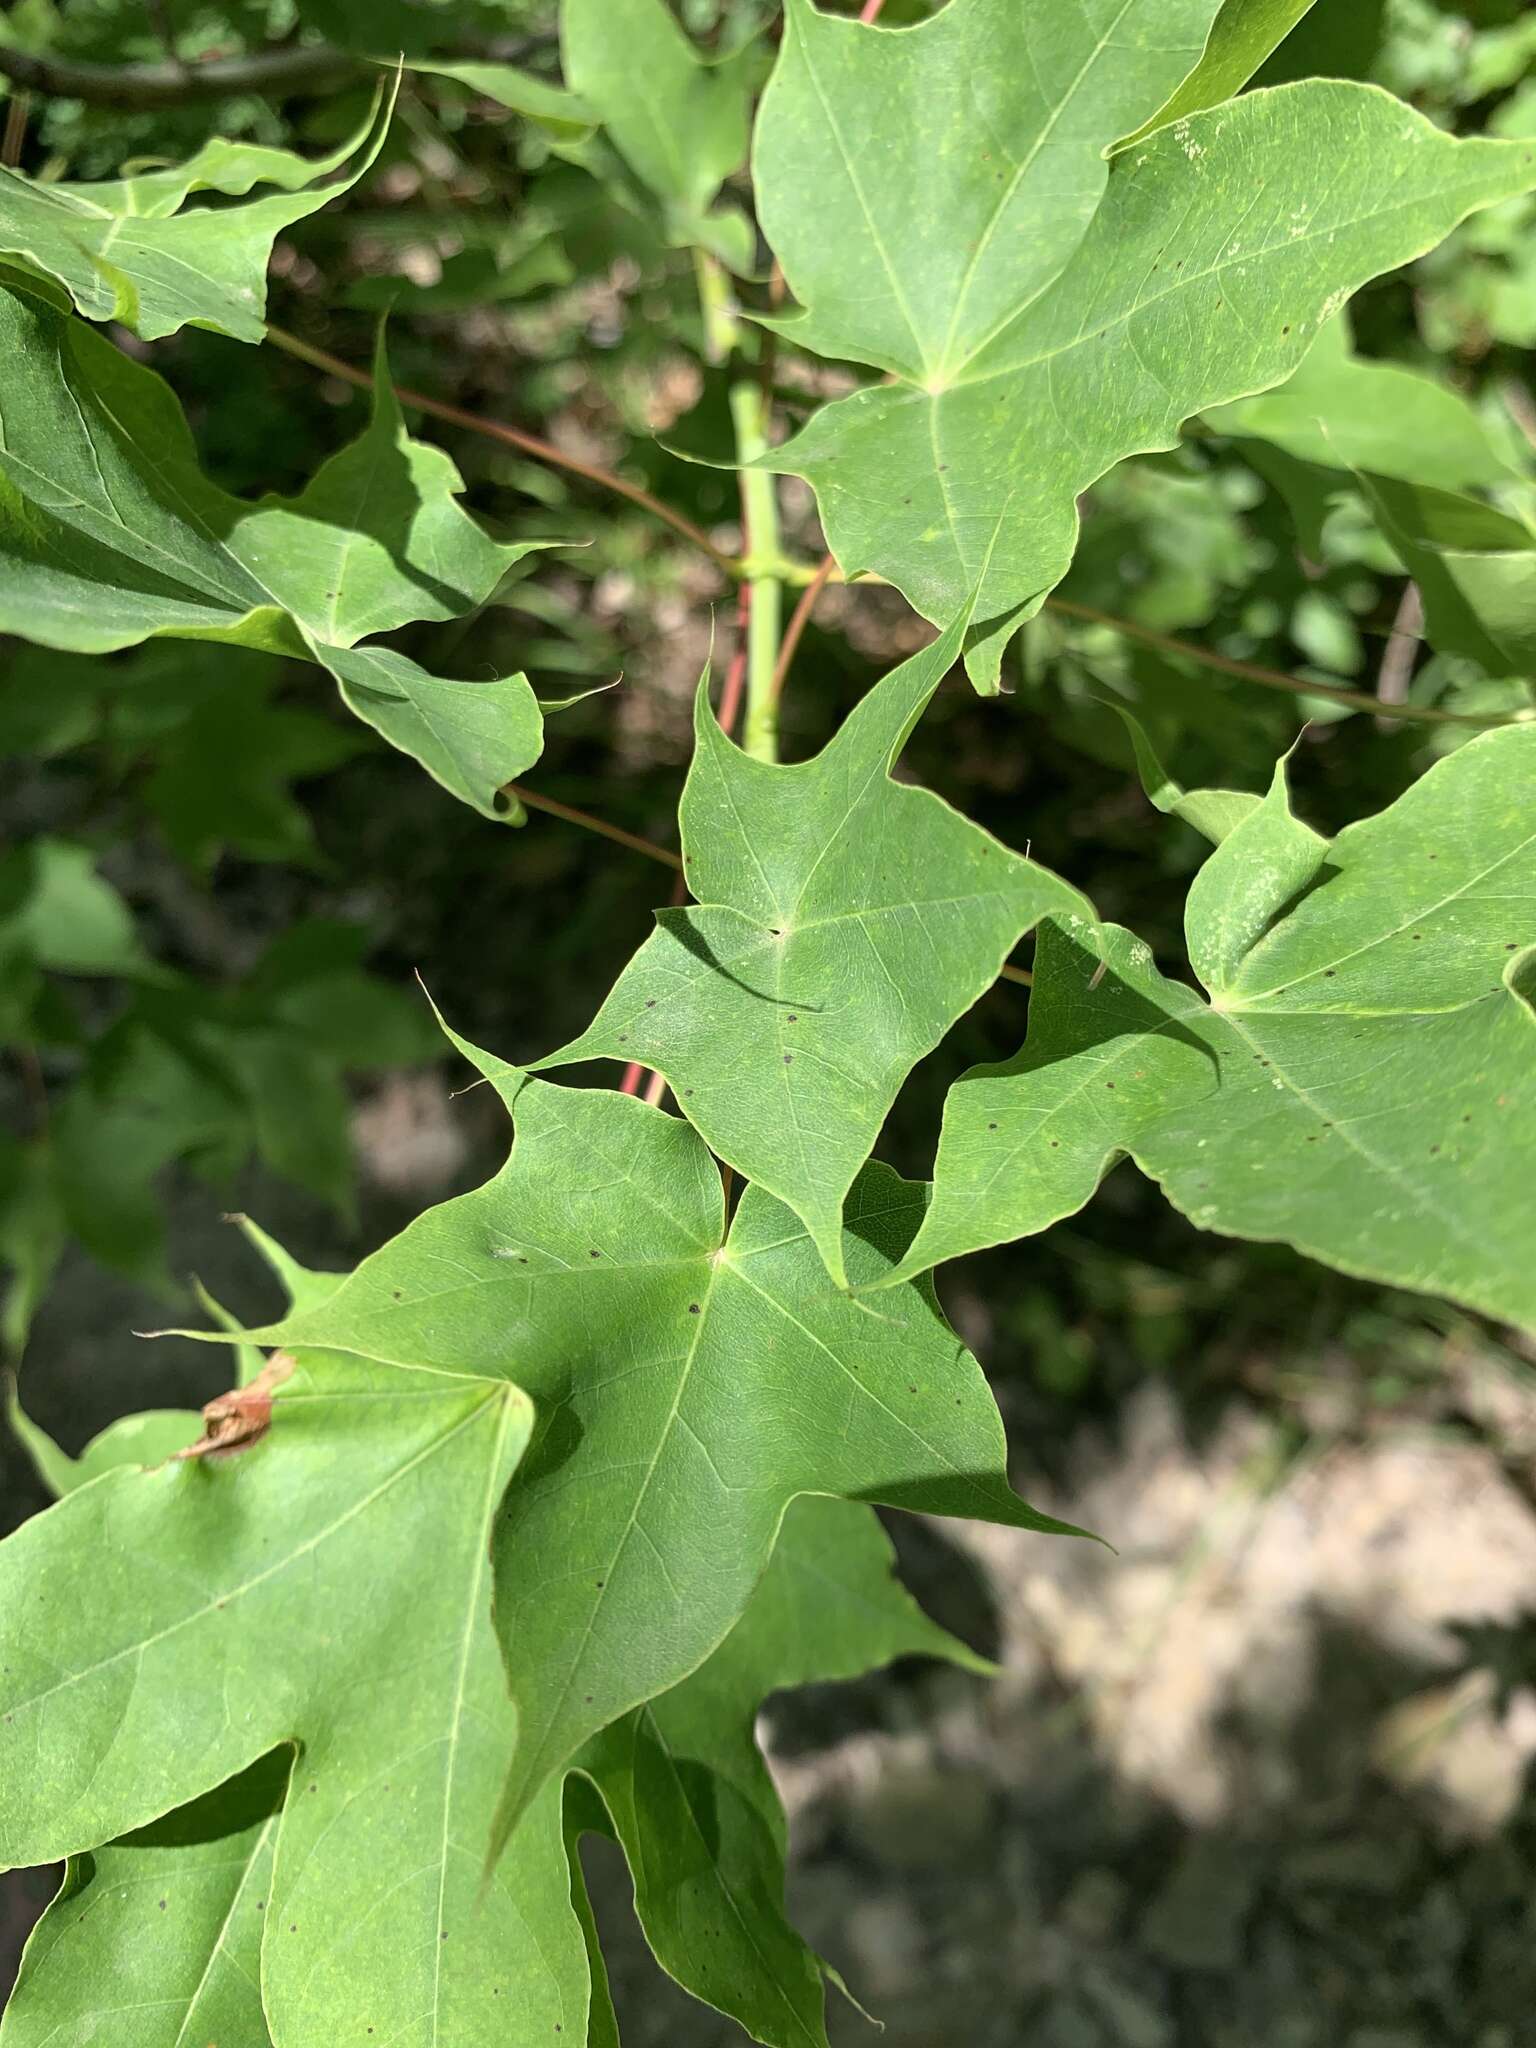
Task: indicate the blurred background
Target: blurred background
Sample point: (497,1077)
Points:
(1264,1774)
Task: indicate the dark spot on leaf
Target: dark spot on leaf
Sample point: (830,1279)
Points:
(793,1019)
(1285,330)
(162,1905)
(623,1038)
(650,1002)
(293,1927)
(594,1255)
(1328,973)
(991,1127)
(1109,1084)
(1055,1144)
(788,1057)
(693,1308)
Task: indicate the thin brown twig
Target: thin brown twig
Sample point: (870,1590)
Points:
(799,618)
(498,430)
(286,68)
(15,129)
(1273,679)
(1020,974)
(589,823)
(1401,651)
(736,670)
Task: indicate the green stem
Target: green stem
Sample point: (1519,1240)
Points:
(760,518)
(762,566)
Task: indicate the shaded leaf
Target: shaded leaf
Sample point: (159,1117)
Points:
(154,1941)
(562,114)
(148,1438)
(57,912)
(110,533)
(678,121)
(1061,312)
(1475,568)
(1212,812)
(125,251)
(1344,412)
(689,1796)
(1362,1083)
(32,1235)
(843,922)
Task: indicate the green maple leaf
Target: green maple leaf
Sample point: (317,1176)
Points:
(1340,411)
(326,1588)
(844,922)
(563,115)
(110,535)
(687,1793)
(1243,35)
(155,1940)
(1475,568)
(679,1783)
(124,250)
(143,1439)
(57,912)
(941,204)
(1361,1083)
(1414,451)
(690,1381)
(678,122)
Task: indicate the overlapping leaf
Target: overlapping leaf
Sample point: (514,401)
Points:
(170,1920)
(941,204)
(690,1799)
(677,121)
(1361,1083)
(213,1610)
(154,1941)
(1243,35)
(689,1383)
(1415,452)
(1475,568)
(1342,411)
(125,250)
(843,923)
(110,534)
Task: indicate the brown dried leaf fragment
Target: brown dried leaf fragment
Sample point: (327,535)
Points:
(236,1420)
